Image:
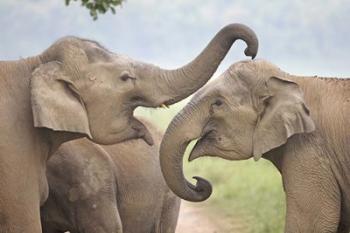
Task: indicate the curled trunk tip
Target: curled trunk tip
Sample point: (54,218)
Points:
(203,188)
(187,79)
(172,150)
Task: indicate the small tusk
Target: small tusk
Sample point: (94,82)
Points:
(164,106)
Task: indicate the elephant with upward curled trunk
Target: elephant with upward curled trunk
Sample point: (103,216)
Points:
(300,124)
(77,88)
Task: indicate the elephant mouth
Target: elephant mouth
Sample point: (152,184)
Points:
(209,145)
(164,105)
(137,128)
(202,146)
(141,131)
(133,129)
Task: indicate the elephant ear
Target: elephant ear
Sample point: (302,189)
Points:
(55,101)
(283,114)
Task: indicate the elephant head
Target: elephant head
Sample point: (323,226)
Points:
(247,111)
(83,88)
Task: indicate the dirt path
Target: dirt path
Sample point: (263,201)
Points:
(197,218)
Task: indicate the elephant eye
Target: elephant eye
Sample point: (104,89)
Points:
(125,77)
(137,99)
(218,102)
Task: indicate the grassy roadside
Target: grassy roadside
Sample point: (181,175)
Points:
(248,190)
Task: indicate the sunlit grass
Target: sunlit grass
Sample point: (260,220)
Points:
(247,190)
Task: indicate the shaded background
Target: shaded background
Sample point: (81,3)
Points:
(302,37)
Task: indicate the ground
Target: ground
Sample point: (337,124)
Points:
(200,218)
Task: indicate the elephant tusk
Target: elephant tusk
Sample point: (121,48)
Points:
(164,106)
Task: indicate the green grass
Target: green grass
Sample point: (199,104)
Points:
(248,190)
(245,190)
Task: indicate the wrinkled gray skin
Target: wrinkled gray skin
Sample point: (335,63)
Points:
(300,124)
(109,189)
(77,88)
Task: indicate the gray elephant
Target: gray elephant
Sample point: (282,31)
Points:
(104,189)
(300,124)
(77,88)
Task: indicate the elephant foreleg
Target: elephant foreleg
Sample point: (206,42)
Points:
(53,231)
(314,210)
(311,220)
(19,195)
(170,213)
(99,215)
(344,226)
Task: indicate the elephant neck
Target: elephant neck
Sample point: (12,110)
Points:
(54,139)
(275,156)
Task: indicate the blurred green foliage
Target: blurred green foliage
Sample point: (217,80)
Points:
(246,193)
(97,7)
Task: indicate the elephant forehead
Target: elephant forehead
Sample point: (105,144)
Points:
(221,86)
(123,59)
(247,67)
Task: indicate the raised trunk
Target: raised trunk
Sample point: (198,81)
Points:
(184,81)
(184,128)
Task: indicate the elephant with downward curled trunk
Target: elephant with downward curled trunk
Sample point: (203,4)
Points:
(301,124)
(77,88)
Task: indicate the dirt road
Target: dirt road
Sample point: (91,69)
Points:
(197,218)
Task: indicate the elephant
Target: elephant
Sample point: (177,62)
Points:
(77,88)
(111,188)
(301,124)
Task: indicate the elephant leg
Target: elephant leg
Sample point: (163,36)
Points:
(19,195)
(344,225)
(313,194)
(316,209)
(99,215)
(343,229)
(48,230)
(308,219)
(170,214)
(17,218)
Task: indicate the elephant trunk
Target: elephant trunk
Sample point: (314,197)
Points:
(182,82)
(185,127)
